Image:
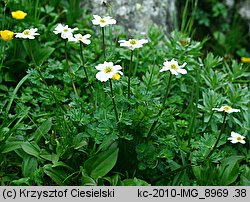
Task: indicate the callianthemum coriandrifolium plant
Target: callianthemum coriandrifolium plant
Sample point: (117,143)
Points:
(103,22)
(155,116)
(236,137)
(132,44)
(66,33)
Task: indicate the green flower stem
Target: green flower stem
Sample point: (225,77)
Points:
(3,44)
(150,78)
(103,44)
(129,72)
(113,100)
(86,74)
(68,68)
(161,110)
(43,79)
(84,68)
(34,61)
(218,139)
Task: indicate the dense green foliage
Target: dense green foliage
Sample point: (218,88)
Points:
(50,136)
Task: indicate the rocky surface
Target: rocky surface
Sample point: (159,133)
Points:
(138,15)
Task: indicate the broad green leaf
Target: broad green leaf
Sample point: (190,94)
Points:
(61,164)
(43,129)
(88,181)
(229,170)
(45,155)
(113,180)
(79,141)
(31,148)
(134,182)
(57,175)
(245,177)
(11,146)
(107,142)
(43,54)
(29,165)
(100,164)
(21,182)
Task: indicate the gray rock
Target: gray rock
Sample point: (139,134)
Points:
(138,15)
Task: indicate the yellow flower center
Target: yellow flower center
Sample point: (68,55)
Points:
(26,32)
(102,20)
(226,108)
(66,30)
(133,42)
(239,138)
(173,66)
(108,70)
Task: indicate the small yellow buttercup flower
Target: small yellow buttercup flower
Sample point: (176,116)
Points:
(245,60)
(116,77)
(18,15)
(6,35)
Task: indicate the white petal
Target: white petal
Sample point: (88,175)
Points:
(103,24)
(112,21)
(18,35)
(217,109)
(86,41)
(100,67)
(121,41)
(182,71)
(97,17)
(166,64)
(143,41)
(108,64)
(184,64)
(102,76)
(234,141)
(121,73)
(86,36)
(74,29)
(77,35)
(233,134)
(73,39)
(117,67)
(30,37)
(95,22)
(173,60)
(235,110)
(173,72)
(163,70)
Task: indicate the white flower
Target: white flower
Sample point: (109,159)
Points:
(102,22)
(226,109)
(27,34)
(107,70)
(65,31)
(133,43)
(80,38)
(173,67)
(235,138)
